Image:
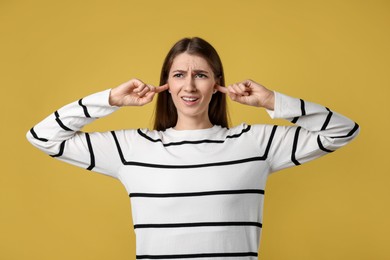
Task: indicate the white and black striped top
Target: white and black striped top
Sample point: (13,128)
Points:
(194,193)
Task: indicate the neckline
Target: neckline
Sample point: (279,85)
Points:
(203,131)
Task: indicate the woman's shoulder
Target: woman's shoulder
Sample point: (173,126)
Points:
(213,133)
(244,127)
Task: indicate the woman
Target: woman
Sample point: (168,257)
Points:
(196,186)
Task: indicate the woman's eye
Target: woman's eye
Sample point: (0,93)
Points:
(178,75)
(201,75)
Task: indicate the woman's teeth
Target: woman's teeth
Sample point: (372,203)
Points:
(191,99)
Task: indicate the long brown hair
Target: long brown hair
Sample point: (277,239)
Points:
(165,111)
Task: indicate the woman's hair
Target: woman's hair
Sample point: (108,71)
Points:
(165,111)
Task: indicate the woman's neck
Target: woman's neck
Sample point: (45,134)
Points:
(192,124)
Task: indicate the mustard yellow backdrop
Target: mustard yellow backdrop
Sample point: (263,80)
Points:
(333,52)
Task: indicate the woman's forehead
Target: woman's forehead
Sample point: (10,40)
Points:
(185,61)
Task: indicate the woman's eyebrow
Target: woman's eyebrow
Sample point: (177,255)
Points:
(195,71)
(181,71)
(201,71)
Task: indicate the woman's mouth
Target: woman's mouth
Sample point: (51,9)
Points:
(190,100)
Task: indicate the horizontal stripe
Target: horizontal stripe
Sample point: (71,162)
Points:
(60,122)
(265,155)
(354,129)
(194,194)
(239,134)
(169,166)
(294,120)
(238,254)
(62,146)
(92,155)
(193,142)
(303,110)
(84,108)
(198,224)
(327,120)
(294,148)
(321,146)
(36,136)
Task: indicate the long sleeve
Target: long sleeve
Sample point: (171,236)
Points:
(317,131)
(59,135)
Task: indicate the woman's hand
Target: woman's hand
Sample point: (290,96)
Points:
(134,93)
(250,93)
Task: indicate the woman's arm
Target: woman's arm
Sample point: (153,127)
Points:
(59,134)
(317,131)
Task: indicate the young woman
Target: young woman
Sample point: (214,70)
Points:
(196,186)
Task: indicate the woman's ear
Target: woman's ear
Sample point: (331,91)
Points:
(168,90)
(218,80)
(217,83)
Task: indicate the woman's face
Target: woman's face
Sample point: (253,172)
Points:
(191,84)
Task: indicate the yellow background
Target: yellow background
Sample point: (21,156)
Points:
(333,52)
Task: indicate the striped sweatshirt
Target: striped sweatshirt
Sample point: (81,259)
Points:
(194,193)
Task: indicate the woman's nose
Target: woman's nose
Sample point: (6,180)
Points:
(190,84)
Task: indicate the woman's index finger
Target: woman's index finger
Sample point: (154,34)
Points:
(162,88)
(222,89)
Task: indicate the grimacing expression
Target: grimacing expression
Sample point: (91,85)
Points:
(191,83)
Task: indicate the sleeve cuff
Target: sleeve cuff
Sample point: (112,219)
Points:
(98,103)
(272,113)
(285,107)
